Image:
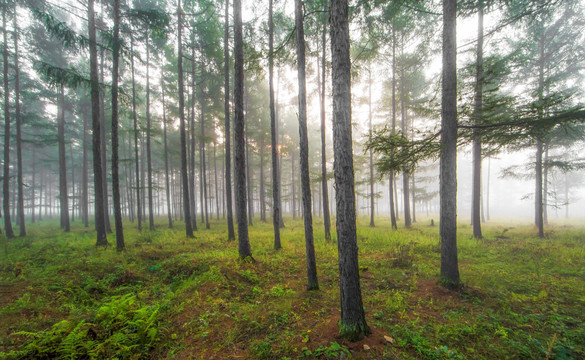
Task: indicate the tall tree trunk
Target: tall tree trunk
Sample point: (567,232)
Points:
(148,126)
(72,182)
(202,142)
(167,187)
(115,171)
(413,193)
(215,187)
(391,182)
(404,112)
(63,196)
(324,187)
(228,154)
(487,190)
(33,185)
(184,177)
(262,189)
(20,206)
(239,141)
(96,129)
(545,187)
(103,147)
(538,218)
(6,182)
(135,119)
(249,179)
(353,322)
(312,281)
(448,166)
(276,205)
(279,157)
(476,191)
(372,224)
(293,180)
(192,178)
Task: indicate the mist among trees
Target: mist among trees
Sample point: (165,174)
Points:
(289,179)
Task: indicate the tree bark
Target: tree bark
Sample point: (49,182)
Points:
(353,322)
(228,160)
(148,127)
(6,182)
(184,177)
(135,119)
(20,206)
(538,208)
(167,186)
(312,281)
(324,187)
(63,195)
(403,110)
(239,142)
(476,191)
(448,166)
(391,183)
(262,188)
(202,141)
(103,148)
(115,168)
(371,157)
(248,164)
(96,129)
(276,207)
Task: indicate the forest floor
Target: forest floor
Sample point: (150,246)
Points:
(168,296)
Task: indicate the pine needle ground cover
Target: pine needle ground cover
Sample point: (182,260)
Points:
(167,296)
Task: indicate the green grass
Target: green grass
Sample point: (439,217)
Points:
(168,296)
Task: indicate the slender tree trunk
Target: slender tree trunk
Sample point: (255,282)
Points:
(33,185)
(20,206)
(312,281)
(248,164)
(538,206)
(292,179)
(115,171)
(545,187)
(324,187)
(192,178)
(228,163)
(353,322)
(448,166)
(276,205)
(215,187)
(404,110)
(63,196)
(96,128)
(391,183)
(6,182)
(167,187)
(372,224)
(487,193)
(72,182)
(413,193)
(476,191)
(539,221)
(203,179)
(184,177)
(103,148)
(279,158)
(135,119)
(148,126)
(239,140)
(262,187)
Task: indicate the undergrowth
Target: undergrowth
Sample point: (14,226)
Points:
(168,296)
